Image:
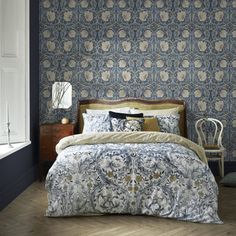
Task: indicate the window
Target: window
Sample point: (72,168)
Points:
(14,70)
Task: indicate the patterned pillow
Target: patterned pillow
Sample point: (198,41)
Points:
(169,123)
(123,125)
(96,123)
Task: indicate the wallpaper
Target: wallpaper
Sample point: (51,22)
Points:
(152,49)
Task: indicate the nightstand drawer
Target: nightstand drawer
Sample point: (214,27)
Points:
(50,135)
(45,130)
(61,127)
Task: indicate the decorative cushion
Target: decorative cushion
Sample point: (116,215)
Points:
(150,123)
(96,123)
(123,125)
(123,115)
(171,111)
(229,180)
(169,123)
(105,111)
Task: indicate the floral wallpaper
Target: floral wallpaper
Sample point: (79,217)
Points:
(152,49)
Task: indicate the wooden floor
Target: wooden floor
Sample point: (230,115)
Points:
(25,216)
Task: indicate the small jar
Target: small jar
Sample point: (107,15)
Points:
(64,120)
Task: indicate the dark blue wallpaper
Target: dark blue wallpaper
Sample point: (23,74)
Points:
(153,49)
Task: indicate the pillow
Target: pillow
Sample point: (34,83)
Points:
(106,111)
(123,125)
(96,123)
(229,180)
(171,111)
(150,123)
(169,123)
(123,115)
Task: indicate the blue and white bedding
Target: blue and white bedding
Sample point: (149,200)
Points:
(154,173)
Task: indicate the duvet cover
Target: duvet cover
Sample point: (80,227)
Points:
(148,173)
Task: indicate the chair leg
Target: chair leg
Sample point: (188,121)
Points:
(221,165)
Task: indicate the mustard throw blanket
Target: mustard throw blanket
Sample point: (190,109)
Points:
(129,137)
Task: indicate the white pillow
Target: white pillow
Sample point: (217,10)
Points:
(106,111)
(170,111)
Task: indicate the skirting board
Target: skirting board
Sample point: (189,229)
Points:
(14,189)
(230,166)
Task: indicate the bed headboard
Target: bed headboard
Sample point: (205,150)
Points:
(134,103)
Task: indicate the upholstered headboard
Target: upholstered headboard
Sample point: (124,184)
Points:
(134,103)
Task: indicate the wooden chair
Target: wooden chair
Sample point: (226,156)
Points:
(209,132)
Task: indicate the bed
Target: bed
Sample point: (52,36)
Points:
(132,167)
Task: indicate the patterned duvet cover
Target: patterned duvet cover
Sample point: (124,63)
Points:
(165,179)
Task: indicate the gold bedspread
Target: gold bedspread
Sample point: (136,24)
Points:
(130,137)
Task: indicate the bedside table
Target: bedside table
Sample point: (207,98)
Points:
(50,135)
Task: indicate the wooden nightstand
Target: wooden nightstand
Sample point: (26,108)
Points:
(50,135)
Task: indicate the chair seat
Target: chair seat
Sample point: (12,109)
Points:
(213,148)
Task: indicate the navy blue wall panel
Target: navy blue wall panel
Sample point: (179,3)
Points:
(19,170)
